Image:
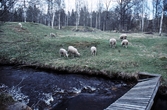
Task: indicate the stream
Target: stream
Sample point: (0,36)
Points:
(43,90)
(60,91)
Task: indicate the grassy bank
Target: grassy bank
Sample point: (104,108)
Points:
(32,45)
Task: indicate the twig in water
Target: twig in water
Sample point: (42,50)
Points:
(20,81)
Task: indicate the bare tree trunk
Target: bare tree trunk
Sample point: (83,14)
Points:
(59,20)
(161,22)
(142,21)
(91,20)
(142,24)
(67,20)
(99,19)
(103,25)
(76,26)
(49,14)
(153,13)
(96,20)
(24,12)
(77,6)
(84,18)
(77,21)
(53,18)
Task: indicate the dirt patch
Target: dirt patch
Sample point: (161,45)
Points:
(83,29)
(149,33)
(18,29)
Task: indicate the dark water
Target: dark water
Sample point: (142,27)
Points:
(160,102)
(42,90)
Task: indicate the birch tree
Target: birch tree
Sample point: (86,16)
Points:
(5,7)
(67,12)
(156,13)
(49,12)
(144,5)
(53,10)
(161,22)
(124,7)
(61,6)
(162,15)
(91,14)
(78,8)
(98,14)
(107,5)
(53,6)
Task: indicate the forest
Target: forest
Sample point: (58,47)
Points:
(106,15)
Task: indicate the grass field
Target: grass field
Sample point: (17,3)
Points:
(32,45)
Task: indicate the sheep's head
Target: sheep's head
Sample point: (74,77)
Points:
(67,55)
(78,54)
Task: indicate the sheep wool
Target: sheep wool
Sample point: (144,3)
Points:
(52,35)
(113,42)
(123,36)
(93,50)
(124,43)
(20,25)
(63,52)
(73,51)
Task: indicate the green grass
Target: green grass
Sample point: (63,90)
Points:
(32,45)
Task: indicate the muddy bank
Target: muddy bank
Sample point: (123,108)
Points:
(73,70)
(58,91)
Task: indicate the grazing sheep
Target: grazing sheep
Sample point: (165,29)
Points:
(52,35)
(124,43)
(73,50)
(63,52)
(93,50)
(20,25)
(123,36)
(112,42)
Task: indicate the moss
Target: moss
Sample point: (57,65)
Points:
(5,99)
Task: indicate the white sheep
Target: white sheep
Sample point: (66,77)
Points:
(123,36)
(73,50)
(93,50)
(52,35)
(63,52)
(124,43)
(20,25)
(113,42)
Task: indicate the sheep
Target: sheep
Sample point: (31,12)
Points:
(124,43)
(52,35)
(73,50)
(113,42)
(93,50)
(123,36)
(20,25)
(63,52)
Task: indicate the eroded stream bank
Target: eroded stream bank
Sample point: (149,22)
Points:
(57,91)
